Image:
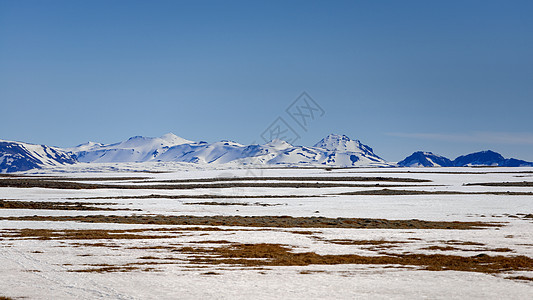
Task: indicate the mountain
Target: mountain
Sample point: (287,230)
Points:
(333,150)
(17,156)
(489,158)
(135,149)
(425,159)
(482,158)
(343,151)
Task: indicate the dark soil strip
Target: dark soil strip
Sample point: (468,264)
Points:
(32,183)
(154,196)
(389,192)
(55,178)
(317,178)
(11,204)
(435,172)
(504,184)
(264,221)
(525,278)
(83,234)
(231,203)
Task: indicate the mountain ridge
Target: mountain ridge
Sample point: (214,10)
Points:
(481,158)
(331,151)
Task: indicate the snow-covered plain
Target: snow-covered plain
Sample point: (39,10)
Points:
(42,269)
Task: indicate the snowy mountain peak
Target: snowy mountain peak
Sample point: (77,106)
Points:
(278,144)
(335,142)
(425,159)
(174,139)
(86,146)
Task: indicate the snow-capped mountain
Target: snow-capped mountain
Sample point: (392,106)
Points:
(135,149)
(489,158)
(18,156)
(425,159)
(343,151)
(334,150)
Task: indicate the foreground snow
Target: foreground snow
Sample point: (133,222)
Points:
(40,269)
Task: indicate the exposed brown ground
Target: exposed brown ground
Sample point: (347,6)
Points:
(363,242)
(436,172)
(52,184)
(279,255)
(315,178)
(107,269)
(465,243)
(12,204)
(107,234)
(205,196)
(391,192)
(269,255)
(264,221)
(88,234)
(521,278)
(504,184)
(231,203)
(58,178)
(450,248)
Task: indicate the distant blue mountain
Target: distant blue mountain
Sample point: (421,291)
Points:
(482,158)
(16,156)
(333,150)
(489,158)
(425,159)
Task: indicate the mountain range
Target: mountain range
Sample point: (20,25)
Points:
(482,158)
(332,151)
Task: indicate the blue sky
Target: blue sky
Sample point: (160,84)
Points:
(451,77)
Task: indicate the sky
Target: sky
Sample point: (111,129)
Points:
(450,77)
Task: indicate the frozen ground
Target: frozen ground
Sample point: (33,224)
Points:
(37,267)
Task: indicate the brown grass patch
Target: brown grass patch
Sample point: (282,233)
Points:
(107,269)
(304,232)
(503,184)
(279,255)
(12,204)
(465,243)
(526,278)
(232,203)
(363,242)
(87,234)
(211,273)
(315,178)
(59,184)
(450,248)
(265,221)
(211,242)
(392,192)
(307,272)
(107,245)
(205,196)
(441,248)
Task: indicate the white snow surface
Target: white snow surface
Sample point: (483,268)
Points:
(39,269)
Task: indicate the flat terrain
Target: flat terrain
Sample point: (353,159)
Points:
(399,233)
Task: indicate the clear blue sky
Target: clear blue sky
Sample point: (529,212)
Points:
(451,77)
